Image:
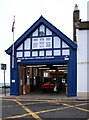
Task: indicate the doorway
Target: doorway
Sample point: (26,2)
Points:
(33,77)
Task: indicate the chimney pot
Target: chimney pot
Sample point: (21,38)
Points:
(76,7)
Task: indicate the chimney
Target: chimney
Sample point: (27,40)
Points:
(76,18)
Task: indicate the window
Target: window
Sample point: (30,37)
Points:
(34,43)
(65,52)
(57,52)
(35,33)
(45,74)
(41,53)
(27,54)
(27,44)
(20,47)
(35,53)
(42,30)
(48,32)
(49,53)
(41,43)
(64,45)
(19,54)
(48,42)
(57,42)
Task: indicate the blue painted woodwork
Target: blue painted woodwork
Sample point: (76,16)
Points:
(72,61)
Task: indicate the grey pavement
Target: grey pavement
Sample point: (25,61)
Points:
(44,96)
(40,95)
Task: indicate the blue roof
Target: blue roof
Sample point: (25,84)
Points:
(41,20)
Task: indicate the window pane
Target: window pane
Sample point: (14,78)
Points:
(20,47)
(57,52)
(65,52)
(64,45)
(41,43)
(49,53)
(48,32)
(57,42)
(34,43)
(27,54)
(48,42)
(41,53)
(27,44)
(42,28)
(35,53)
(19,54)
(35,33)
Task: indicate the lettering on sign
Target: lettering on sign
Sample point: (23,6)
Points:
(25,58)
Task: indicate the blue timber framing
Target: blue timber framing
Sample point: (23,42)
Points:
(71,61)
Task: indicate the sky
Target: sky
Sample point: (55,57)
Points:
(58,12)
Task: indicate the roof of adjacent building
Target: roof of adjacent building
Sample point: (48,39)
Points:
(40,21)
(84,25)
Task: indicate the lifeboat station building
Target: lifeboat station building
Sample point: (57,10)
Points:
(43,54)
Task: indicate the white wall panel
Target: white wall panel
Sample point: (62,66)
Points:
(82,45)
(82,78)
(82,61)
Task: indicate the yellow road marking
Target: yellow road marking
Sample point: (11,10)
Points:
(82,109)
(44,111)
(18,116)
(82,104)
(34,103)
(29,111)
(23,104)
(71,106)
(51,110)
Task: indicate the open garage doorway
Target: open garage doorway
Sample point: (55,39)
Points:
(43,78)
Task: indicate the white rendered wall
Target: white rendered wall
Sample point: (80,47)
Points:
(82,61)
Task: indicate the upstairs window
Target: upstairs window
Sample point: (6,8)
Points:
(27,44)
(41,30)
(34,43)
(20,47)
(48,32)
(42,43)
(48,42)
(57,42)
(35,33)
(64,45)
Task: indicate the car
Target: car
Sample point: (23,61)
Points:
(47,86)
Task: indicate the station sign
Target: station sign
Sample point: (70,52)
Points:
(3,66)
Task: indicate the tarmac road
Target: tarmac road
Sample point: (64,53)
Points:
(43,109)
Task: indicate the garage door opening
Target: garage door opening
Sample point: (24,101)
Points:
(43,78)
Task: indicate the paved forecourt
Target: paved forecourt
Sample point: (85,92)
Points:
(37,109)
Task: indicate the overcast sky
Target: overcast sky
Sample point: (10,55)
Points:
(58,12)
